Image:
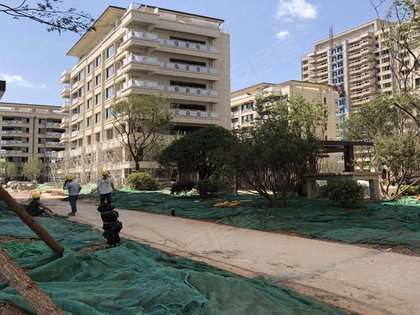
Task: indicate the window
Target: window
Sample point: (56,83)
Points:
(89,140)
(97,137)
(89,104)
(88,122)
(109,134)
(98,80)
(89,68)
(108,113)
(109,72)
(80,142)
(109,92)
(97,118)
(110,51)
(98,61)
(80,92)
(89,86)
(98,99)
(81,75)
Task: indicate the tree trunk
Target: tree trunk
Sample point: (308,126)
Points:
(137,165)
(28,289)
(56,247)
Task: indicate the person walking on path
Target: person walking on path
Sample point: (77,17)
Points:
(105,188)
(74,188)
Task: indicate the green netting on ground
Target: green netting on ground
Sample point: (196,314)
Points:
(136,279)
(385,223)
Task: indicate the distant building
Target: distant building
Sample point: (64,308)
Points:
(2,88)
(358,63)
(30,130)
(141,50)
(243,113)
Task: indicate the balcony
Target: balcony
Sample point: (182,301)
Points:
(65,77)
(152,41)
(65,122)
(14,122)
(195,113)
(65,93)
(53,124)
(53,134)
(65,108)
(13,152)
(12,142)
(54,144)
(11,132)
(145,63)
(75,117)
(191,91)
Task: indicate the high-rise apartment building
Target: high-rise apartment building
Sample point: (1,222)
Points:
(30,130)
(358,62)
(141,50)
(243,113)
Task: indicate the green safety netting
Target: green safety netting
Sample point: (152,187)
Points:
(136,279)
(385,223)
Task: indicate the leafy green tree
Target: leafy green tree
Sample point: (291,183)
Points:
(142,122)
(8,169)
(50,13)
(395,136)
(272,160)
(32,168)
(401,38)
(205,152)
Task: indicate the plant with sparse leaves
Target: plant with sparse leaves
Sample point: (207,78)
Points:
(33,168)
(49,13)
(142,121)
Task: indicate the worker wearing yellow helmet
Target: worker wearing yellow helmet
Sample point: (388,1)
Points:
(74,188)
(105,188)
(35,208)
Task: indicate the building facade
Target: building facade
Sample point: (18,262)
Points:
(31,130)
(142,50)
(358,63)
(243,114)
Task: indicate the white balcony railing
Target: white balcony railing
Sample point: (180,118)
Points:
(11,142)
(169,42)
(196,113)
(169,65)
(11,132)
(14,122)
(170,88)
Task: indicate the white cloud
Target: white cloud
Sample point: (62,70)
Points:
(282,34)
(290,9)
(18,80)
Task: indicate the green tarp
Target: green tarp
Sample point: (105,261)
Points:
(136,279)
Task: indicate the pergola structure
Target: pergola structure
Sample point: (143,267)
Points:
(347,147)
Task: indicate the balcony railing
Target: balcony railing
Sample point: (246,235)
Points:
(169,42)
(196,113)
(54,143)
(10,152)
(53,124)
(14,122)
(11,132)
(170,88)
(11,142)
(169,65)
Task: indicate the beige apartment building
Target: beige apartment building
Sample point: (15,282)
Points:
(31,130)
(243,114)
(357,63)
(142,50)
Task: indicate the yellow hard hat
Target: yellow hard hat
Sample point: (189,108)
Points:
(105,173)
(36,195)
(69,177)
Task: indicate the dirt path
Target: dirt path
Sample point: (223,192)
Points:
(362,280)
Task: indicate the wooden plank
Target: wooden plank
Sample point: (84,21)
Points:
(28,289)
(56,247)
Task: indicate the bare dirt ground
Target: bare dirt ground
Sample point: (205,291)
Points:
(362,280)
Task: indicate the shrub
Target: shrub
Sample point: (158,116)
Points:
(208,187)
(344,193)
(142,181)
(410,191)
(179,188)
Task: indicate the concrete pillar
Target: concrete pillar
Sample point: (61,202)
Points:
(311,188)
(374,190)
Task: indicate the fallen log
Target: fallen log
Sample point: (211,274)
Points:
(56,247)
(26,287)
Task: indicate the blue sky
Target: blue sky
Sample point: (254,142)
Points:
(268,39)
